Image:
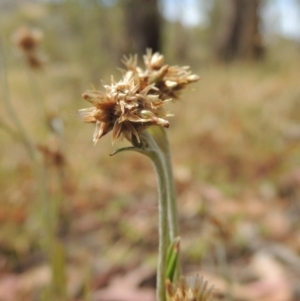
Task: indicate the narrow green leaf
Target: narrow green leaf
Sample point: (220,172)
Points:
(172,258)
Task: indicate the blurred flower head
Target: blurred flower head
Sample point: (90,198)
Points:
(27,40)
(192,288)
(137,101)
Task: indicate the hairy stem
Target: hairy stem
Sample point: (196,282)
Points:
(163,226)
(161,139)
(154,144)
(151,149)
(172,205)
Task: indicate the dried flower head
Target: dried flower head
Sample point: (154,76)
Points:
(52,156)
(34,61)
(136,102)
(124,108)
(192,288)
(28,40)
(170,80)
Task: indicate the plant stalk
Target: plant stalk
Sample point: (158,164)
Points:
(172,206)
(9,108)
(163,226)
(48,214)
(157,159)
(154,144)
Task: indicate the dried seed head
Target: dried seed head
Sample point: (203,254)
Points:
(169,79)
(34,61)
(53,157)
(28,40)
(136,101)
(124,108)
(192,288)
(157,61)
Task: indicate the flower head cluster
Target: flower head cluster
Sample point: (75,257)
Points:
(192,288)
(169,80)
(135,102)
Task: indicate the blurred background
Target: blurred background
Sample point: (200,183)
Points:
(77,224)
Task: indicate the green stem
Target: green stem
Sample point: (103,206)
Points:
(163,226)
(161,139)
(8,129)
(36,93)
(151,150)
(172,200)
(154,144)
(172,205)
(10,110)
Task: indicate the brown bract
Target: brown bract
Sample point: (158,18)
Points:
(136,102)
